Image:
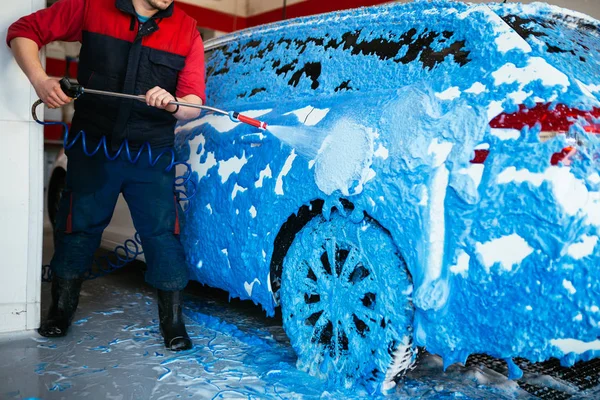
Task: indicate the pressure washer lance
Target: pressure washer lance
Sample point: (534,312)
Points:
(76,90)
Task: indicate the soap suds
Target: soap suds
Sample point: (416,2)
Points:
(508,251)
(344,158)
(285,170)
(231,166)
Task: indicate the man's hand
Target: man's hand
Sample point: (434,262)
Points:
(160,98)
(49,91)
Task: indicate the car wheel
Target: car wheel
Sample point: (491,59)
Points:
(55,188)
(346,303)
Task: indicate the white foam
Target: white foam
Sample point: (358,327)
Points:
(477,88)
(237,189)
(594,178)
(253,211)
(345,158)
(424,200)
(250,286)
(584,248)
(285,170)
(309,115)
(511,174)
(578,317)
(440,151)
(226,253)
(265,173)
(569,286)
(230,166)
(509,40)
(575,346)
(505,134)
(209,208)
(507,250)
(519,96)
(437,222)
(196,143)
(494,109)
(203,168)
(301,113)
(536,69)
(256,113)
(449,94)
(382,152)
(569,191)
(475,172)
(269,283)
(462,264)
(316,116)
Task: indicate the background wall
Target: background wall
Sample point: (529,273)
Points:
(21,150)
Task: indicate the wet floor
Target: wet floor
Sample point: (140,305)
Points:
(114,351)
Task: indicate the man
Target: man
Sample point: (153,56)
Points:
(135,47)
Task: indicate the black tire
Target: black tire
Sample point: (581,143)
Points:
(56,186)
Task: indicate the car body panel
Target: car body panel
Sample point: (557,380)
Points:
(501,253)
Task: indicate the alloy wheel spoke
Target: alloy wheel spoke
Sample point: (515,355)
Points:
(319,269)
(320,325)
(331,248)
(350,264)
(306,310)
(363,286)
(369,317)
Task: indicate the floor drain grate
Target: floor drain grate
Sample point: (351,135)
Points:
(580,377)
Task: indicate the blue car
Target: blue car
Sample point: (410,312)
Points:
(428,178)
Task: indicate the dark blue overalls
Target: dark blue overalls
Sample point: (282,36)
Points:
(92,190)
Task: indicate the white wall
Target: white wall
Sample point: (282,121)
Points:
(590,7)
(260,6)
(233,7)
(21,192)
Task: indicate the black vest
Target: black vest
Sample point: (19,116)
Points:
(119,55)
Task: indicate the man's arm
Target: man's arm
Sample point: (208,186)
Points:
(190,86)
(26,53)
(62,21)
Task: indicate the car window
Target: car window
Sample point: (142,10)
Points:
(342,52)
(570,42)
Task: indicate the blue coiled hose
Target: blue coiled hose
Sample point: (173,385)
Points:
(132,248)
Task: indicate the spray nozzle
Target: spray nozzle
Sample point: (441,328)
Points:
(237,117)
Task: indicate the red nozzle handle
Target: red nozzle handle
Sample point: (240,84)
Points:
(250,121)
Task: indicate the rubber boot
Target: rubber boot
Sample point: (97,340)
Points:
(172,327)
(65,297)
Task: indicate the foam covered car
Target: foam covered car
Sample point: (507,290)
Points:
(430,179)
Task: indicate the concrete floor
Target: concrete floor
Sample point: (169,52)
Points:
(114,351)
